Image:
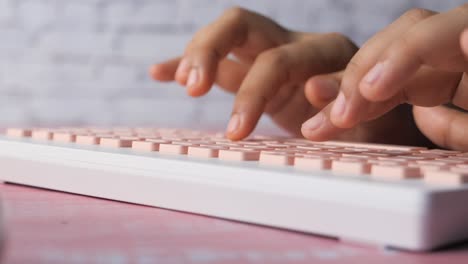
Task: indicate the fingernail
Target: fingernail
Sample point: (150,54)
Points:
(328,89)
(339,106)
(233,123)
(374,74)
(315,122)
(193,78)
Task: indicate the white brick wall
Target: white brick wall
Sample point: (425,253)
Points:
(85,61)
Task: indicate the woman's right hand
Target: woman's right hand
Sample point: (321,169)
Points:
(268,72)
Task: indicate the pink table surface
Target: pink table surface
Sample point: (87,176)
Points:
(52,227)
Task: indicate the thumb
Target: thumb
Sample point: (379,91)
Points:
(445,127)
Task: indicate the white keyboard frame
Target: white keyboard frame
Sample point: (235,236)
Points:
(404,214)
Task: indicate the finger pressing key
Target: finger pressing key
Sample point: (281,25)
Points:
(350,107)
(273,69)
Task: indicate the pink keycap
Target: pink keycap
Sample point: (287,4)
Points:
(461,158)
(229,144)
(259,148)
(144,130)
(116,142)
(42,134)
(459,169)
(322,154)
(450,161)
(430,162)
(387,163)
(292,151)
(200,142)
(100,130)
(18,132)
(145,145)
(296,144)
(276,145)
(205,151)
(342,151)
(173,149)
(351,166)
(427,167)
(376,154)
(272,158)
(430,155)
(132,138)
(441,151)
(158,140)
(79,130)
(312,163)
(412,158)
(393,159)
(148,135)
(87,140)
(64,137)
(238,155)
(310,148)
(375,146)
(125,133)
(446,177)
(250,143)
(394,172)
(357,156)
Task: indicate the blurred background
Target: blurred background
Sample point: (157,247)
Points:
(84,62)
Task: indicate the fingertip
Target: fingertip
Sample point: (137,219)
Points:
(244,119)
(320,128)
(196,92)
(235,129)
(199,82)
(158,73)
(338,112)
(310,128)
(371,87)
(182,72)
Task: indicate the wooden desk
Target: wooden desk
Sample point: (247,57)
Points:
(52,227)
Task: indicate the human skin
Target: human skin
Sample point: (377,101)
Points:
(420,59)
(286,74)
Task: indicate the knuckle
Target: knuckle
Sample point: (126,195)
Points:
(354,65)
(463,8)
(344,42)
(277,58)
(236,13)
(417,14)
(277,62)
(407,46)
(339,37)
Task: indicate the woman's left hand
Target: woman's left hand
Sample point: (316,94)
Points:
(420,59)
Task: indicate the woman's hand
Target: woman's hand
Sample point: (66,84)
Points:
(289,75)
(421,59)
(268,72)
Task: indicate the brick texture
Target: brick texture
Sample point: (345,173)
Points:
(76,62)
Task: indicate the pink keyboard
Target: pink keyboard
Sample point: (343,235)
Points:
(401,196)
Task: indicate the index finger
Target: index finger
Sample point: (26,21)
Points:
(290,64)
(238,29)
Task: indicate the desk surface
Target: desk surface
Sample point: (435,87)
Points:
(53,227)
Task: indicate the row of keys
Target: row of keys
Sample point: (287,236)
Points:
(377,161)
